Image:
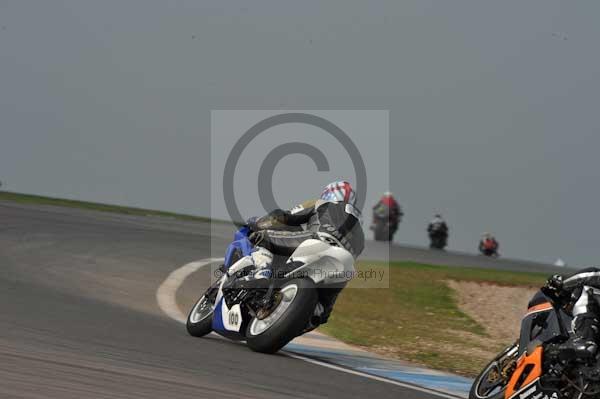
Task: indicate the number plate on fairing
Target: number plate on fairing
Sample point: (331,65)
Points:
(232,319)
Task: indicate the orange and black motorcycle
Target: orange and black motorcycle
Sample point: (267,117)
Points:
(532,367)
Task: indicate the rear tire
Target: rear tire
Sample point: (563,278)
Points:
(290,324)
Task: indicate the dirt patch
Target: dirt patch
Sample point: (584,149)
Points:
(498,309)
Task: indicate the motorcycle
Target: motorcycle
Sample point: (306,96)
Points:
(438,237)
(489,248)
(270,306)
(533,367)
(383,226)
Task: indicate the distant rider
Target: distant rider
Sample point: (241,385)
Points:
(579,294)
(488,245)
(438,227)
(334,214)
(390,207)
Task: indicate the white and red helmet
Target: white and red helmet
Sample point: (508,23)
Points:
(340,191)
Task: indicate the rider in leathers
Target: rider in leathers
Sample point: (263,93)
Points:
(437,225)
(281,232)
(334,213)
(579,293)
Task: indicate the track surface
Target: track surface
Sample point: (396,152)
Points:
(78,318)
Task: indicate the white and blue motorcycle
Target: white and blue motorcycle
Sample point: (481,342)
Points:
(267,302)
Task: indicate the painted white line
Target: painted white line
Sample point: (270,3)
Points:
(166,294)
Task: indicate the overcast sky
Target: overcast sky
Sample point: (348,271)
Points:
(493,106)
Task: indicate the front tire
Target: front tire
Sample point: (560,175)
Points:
(199,321)
(482,387)
(390,235)
(383,234)
(287,320)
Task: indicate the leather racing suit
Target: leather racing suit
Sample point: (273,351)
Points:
(281,232)
(580,292)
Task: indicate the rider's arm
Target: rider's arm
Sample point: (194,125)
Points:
(589,277)
(555,289)
(563,289)
(280,218)
(298,216)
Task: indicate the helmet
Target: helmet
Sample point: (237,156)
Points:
(388,199)
(340,191)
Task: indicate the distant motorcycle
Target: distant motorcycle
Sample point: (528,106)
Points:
(438,238)
(489,247)
(532,368)
(384,224)
(269,307)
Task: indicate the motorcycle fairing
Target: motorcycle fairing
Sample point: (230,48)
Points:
(239,248)
(524,382)
(536,391)
(323,263)
(224,324)
(542,324)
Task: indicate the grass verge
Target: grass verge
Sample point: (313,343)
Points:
(40,200)
(417,318)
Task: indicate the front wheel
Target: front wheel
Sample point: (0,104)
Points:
(199,321)
(383,234)
(492,382)
(438,243)
(295,304)
(391,233)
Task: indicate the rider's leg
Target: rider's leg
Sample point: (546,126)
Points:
(263,262)
(284,243)
(327,298)
(586,326)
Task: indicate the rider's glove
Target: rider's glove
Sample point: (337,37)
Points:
(257,237)
(554,287)
(252,223)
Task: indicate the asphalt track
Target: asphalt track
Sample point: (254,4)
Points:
(79,319)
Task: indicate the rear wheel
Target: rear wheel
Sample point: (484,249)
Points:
(295,304)
(492,382)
